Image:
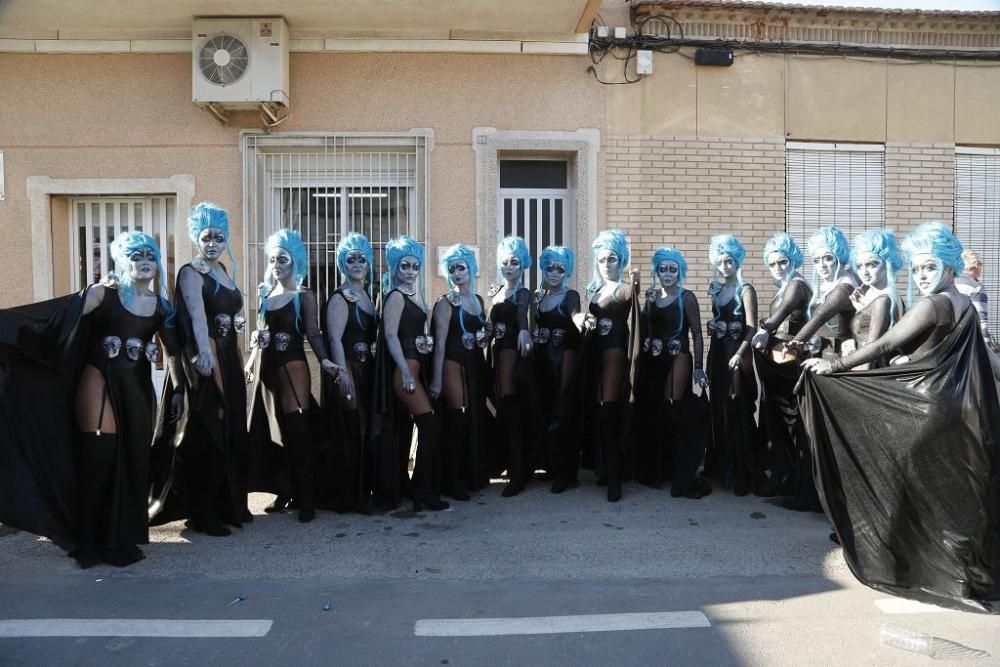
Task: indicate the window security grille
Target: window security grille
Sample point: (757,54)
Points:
(326,186)
(977,217)
(96,221)
(833,184)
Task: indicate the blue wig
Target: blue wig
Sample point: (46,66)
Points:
(671,254)
(460,253)
(722,245)
(935,239)
(289,241)
(615,241)
(558,254)
(784,244)
(832,240)
(881,243)
(395,250)
(122,248)
(207,216)
(355,242)
(514,245)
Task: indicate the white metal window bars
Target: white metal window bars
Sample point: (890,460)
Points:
(536,215)
(327,185)
(977,216)
(96,221)
(833,184)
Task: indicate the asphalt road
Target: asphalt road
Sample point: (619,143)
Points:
(717,581)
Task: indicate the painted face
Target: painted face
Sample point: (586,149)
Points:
(780,266)
(871,270)
(929,273)
(357,265)
(142,264)
(727,267)
(669,273)
(608,264)
(407,271)
(279,263)
(554,274)
(510,267)
(458,271)
(826,264)
(211,243)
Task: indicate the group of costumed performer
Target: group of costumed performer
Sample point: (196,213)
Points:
(907,453)
(79,408)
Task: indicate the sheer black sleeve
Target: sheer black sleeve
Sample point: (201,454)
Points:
(881,312)
(693,315)
(795,297)
(571,302)
(309,313)
(837,301)
(917,320)
(523,300)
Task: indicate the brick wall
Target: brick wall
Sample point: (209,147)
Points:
(919,185)
(665,190)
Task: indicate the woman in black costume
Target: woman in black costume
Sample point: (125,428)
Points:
(460,374)
(557,345)
(783,457)
(282,398)
(877,258)
(209,482)
(609,354)
(907,455)
(824,334)
(730,367)
(509,308)
(667,446)
(350,328)
(408,346)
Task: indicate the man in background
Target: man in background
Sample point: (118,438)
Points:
(969,285)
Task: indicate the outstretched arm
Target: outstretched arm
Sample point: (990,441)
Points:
(310,321)
(917,320)
(693,314)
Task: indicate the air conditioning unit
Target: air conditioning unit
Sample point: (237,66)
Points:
(240,63)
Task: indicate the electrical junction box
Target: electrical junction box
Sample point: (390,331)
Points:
(620,32)
(644,62)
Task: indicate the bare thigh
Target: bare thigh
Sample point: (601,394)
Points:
(293,386)
(506,360)
(416,403)
(454,385)
(612,374)
(90,395)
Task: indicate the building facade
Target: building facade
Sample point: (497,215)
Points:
(464,124)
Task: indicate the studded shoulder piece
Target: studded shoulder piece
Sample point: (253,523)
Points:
(453,297)
(201,266)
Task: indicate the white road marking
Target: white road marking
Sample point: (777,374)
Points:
(547,625)
(902,606)
(131,627)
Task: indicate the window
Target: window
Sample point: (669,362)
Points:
(327,186)
(95,223)
(533,203)
(833,184)
(977,216)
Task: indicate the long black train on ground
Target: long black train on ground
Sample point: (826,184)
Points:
(907,456)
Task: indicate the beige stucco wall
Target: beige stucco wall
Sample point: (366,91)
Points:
(131,116)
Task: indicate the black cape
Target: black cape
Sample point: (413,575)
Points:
(906,468)
(40,359)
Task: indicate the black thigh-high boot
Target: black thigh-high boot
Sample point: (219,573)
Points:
(96,464)
(358,495)
(299,442)
(609,423)
(426,485)
(457,431)
(517,464)
(203,473)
